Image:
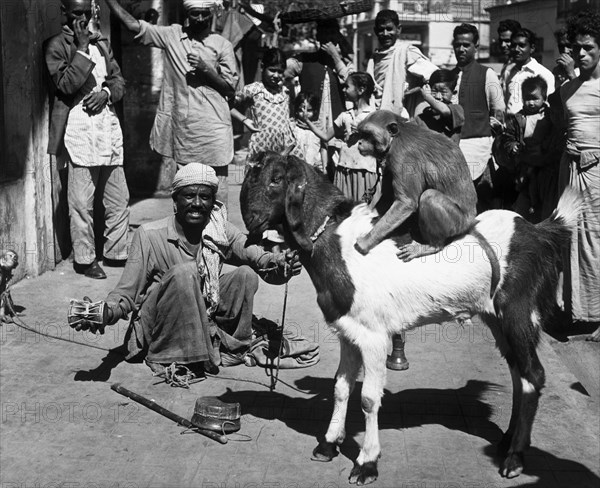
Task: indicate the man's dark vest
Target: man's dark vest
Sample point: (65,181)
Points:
(473,99)
(312,76)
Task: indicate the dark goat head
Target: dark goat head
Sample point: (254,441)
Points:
(273,194)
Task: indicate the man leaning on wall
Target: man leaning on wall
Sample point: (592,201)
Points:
(85,136)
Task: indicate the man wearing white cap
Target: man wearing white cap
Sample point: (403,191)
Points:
(192,123)
(184,310)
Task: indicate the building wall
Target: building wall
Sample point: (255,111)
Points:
(26,209)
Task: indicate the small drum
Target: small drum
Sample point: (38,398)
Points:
(86,314)
(210,413)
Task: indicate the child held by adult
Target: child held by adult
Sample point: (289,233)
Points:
(269,103)
(528,144)
(441,115)
(355,175)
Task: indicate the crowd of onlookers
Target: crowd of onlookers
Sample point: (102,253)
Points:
(526,132)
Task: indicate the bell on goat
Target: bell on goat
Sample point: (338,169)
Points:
(212,414)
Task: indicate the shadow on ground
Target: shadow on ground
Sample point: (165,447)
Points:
(459,409)
(103,371)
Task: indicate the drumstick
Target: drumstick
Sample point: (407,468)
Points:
(152,405)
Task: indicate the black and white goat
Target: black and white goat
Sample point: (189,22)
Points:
(367,299)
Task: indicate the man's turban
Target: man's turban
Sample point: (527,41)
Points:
(190,4)
(194,174)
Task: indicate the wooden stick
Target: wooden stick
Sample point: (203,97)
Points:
(152,405)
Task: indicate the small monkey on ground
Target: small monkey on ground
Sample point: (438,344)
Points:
(424,174)
(9,260)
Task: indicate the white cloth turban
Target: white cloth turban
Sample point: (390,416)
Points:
(194,174)
(190,4)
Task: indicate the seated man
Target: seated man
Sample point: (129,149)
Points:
(184,310)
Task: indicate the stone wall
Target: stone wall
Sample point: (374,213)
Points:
(26,200)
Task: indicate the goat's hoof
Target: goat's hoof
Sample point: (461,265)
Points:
(363,474)
(324,452)
(512,465)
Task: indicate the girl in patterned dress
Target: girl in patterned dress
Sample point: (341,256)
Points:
(269,103)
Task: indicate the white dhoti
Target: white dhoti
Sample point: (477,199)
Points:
(477,152)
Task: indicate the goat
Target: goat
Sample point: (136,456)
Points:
(368,298)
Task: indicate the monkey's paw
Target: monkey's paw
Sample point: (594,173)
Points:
(407,252)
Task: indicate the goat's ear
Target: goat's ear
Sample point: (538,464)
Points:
(294,204)
(393,128)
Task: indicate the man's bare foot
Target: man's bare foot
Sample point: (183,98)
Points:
(415,249)
(595,337)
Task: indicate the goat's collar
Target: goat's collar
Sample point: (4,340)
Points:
(320,230)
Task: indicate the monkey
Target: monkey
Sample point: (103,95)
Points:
(9,260)
(424,174)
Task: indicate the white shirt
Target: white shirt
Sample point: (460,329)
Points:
(513,78)
(94,140)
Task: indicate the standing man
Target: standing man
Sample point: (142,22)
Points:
(565,69)
(398,68)
(580,168)
(193,123)
(86,136)
(506,28)
(480,94)
(525,66)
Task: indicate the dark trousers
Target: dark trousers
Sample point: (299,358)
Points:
(173,323)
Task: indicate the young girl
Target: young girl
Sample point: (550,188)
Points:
(314,152)
(355,175)
(270,107)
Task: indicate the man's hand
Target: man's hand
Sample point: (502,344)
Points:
(290,262)
(82,35)
(93,318)
(496,126)
(197,63)
(333,50)
(94,102)
(568,64)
